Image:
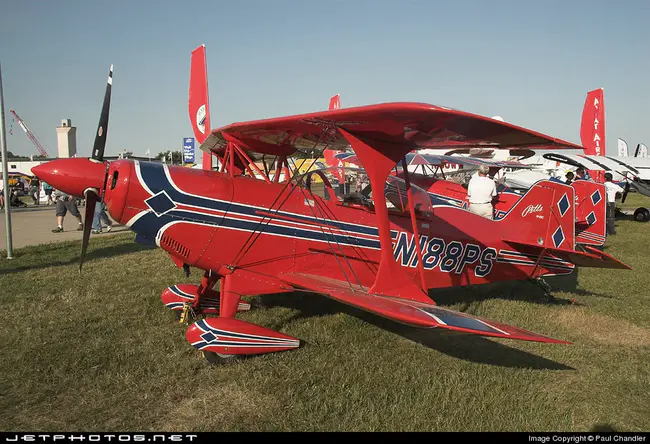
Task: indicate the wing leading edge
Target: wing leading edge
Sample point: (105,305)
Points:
(410,312)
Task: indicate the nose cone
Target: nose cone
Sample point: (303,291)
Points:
(72,176)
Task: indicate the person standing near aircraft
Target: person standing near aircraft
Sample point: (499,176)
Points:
(611,190)
(480,192)
(34,189)
(65,203)
(48,192)
(99,216)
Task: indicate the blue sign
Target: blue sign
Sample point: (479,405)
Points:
(188,149)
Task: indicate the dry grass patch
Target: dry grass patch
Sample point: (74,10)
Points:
(226,403)
(600,328)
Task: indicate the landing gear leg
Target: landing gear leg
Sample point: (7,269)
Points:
(227,309)
(229,298)
(190,308)
(541,283)
(207,284)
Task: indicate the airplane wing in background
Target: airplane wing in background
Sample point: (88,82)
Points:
(439,160)
(635,166)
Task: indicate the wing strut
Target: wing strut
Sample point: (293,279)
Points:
(391,279)
(414,223)
(341,252)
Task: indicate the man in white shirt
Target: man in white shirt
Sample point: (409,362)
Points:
(611,189)
(480,192)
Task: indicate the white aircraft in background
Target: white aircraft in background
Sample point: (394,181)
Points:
(545,164)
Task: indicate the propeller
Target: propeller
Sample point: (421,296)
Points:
(92,194)
(626,190)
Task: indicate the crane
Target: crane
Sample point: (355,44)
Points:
(30,134)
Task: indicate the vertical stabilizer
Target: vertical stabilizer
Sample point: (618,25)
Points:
(592,128)
(622,148)
(590,212)
(199,106)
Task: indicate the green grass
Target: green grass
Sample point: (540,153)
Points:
(99,352)
(634,201)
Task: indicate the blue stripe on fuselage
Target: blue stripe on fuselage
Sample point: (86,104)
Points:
(154,177)
(150,224)
(153,174)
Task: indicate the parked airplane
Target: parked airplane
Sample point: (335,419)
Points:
(381,252)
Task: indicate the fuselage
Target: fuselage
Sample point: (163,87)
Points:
(211,220)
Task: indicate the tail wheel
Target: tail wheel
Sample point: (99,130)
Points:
(642,215)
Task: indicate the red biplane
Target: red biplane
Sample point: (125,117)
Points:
(380,252)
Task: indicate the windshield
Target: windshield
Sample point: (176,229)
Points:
(351,186)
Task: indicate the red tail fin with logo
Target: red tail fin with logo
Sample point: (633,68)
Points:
(199,106)
(335,102)
(544,220)
(544,217)
(592,127)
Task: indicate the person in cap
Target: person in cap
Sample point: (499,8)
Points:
(480,192)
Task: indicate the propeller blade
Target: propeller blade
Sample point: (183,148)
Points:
(102,128)
(91,201)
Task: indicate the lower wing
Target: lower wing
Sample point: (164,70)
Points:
(409,312)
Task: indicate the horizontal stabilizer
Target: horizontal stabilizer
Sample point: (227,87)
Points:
(417,314)
(591,257)
(602,258)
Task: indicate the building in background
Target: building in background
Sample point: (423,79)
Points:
(66,136)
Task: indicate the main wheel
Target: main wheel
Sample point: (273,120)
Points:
(218,358)
(642,215)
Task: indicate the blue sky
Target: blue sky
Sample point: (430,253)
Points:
(530,62)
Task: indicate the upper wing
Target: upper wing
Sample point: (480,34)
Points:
(417,314)
(406,126)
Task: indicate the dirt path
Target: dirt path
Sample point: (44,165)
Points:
(33,225)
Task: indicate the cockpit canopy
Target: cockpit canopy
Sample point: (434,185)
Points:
(351,187)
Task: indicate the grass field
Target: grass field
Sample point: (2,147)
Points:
(99,352)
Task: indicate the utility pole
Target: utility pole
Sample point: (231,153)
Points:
(5,175)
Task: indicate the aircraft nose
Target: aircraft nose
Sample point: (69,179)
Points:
(72,176)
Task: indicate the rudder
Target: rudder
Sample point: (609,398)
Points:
(544,216)
(591,212)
